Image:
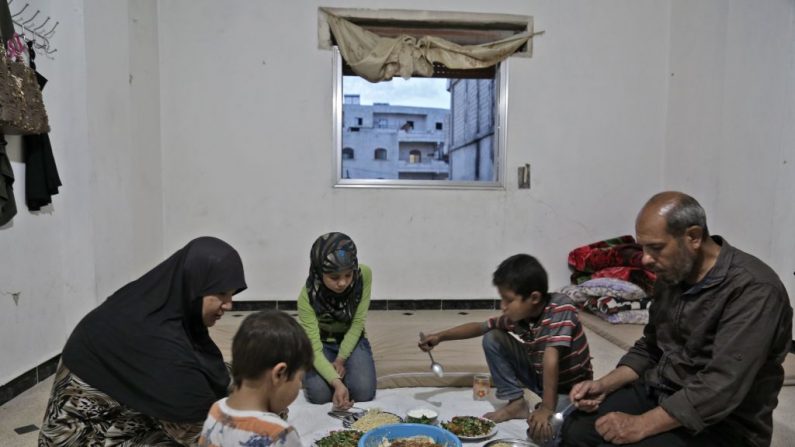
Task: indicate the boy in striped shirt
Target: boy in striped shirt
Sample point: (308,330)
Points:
(537,343)
(270,353)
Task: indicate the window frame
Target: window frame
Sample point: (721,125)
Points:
(500,138)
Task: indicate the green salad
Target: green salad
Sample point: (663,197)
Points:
(468,426)
(340,438)
(420,420)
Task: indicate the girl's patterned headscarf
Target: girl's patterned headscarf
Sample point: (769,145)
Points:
(333,253)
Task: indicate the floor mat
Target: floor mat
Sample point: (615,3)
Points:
(393,336)
(625,335)
(400,363)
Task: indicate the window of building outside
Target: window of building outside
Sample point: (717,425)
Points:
(347,154)
(455,121)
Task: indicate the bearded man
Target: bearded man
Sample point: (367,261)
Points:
(708,369)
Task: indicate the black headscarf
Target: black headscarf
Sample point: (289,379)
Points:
(334,253)
(147,346)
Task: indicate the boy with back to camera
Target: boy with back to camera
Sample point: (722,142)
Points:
(551,357)
(270,353)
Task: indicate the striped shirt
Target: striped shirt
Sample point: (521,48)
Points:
(557,326)
(226,427)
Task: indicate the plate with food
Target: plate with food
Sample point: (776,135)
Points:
(422,416)
(371,419)
(510,442)
(470,428)
(340,438)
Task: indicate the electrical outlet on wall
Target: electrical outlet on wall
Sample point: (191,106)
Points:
(524,176)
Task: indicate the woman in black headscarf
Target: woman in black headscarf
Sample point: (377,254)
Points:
(332,308)
(141,368)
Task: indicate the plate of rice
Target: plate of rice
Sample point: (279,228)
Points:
(371,419)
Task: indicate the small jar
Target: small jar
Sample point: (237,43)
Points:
(481,386)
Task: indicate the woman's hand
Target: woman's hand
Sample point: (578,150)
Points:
(340,400)
(339,366)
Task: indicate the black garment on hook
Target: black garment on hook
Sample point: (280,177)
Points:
(6,22)
(41,174)
(8,207)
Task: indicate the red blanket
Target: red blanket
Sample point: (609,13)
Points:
(618,257)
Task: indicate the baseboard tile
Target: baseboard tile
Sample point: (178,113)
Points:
(437,304)
(28,379)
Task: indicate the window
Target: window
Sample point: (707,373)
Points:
(455,118)
(468,154)
(359,121)
(351,99)
(347,154)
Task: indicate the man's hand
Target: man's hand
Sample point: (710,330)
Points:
(539,426)
(427,343)
(339,366)
(588,395)
(621,428)
(340,399)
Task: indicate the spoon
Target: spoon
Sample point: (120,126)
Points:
(557,418)
(435,367)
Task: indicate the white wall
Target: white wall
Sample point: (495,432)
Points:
(104,228)
(182,118)
(124,131)
(247,150)
(731,123)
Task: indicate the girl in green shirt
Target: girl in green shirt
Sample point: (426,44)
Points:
(332,308)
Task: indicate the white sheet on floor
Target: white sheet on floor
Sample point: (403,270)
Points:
(313,422)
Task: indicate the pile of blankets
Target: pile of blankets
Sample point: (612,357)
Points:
(609,280)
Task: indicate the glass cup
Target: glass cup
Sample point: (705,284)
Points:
(481,386)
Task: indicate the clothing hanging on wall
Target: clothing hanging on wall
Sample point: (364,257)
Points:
(6,21)
(8,207)
(41,174)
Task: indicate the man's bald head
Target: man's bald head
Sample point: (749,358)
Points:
(679,210)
